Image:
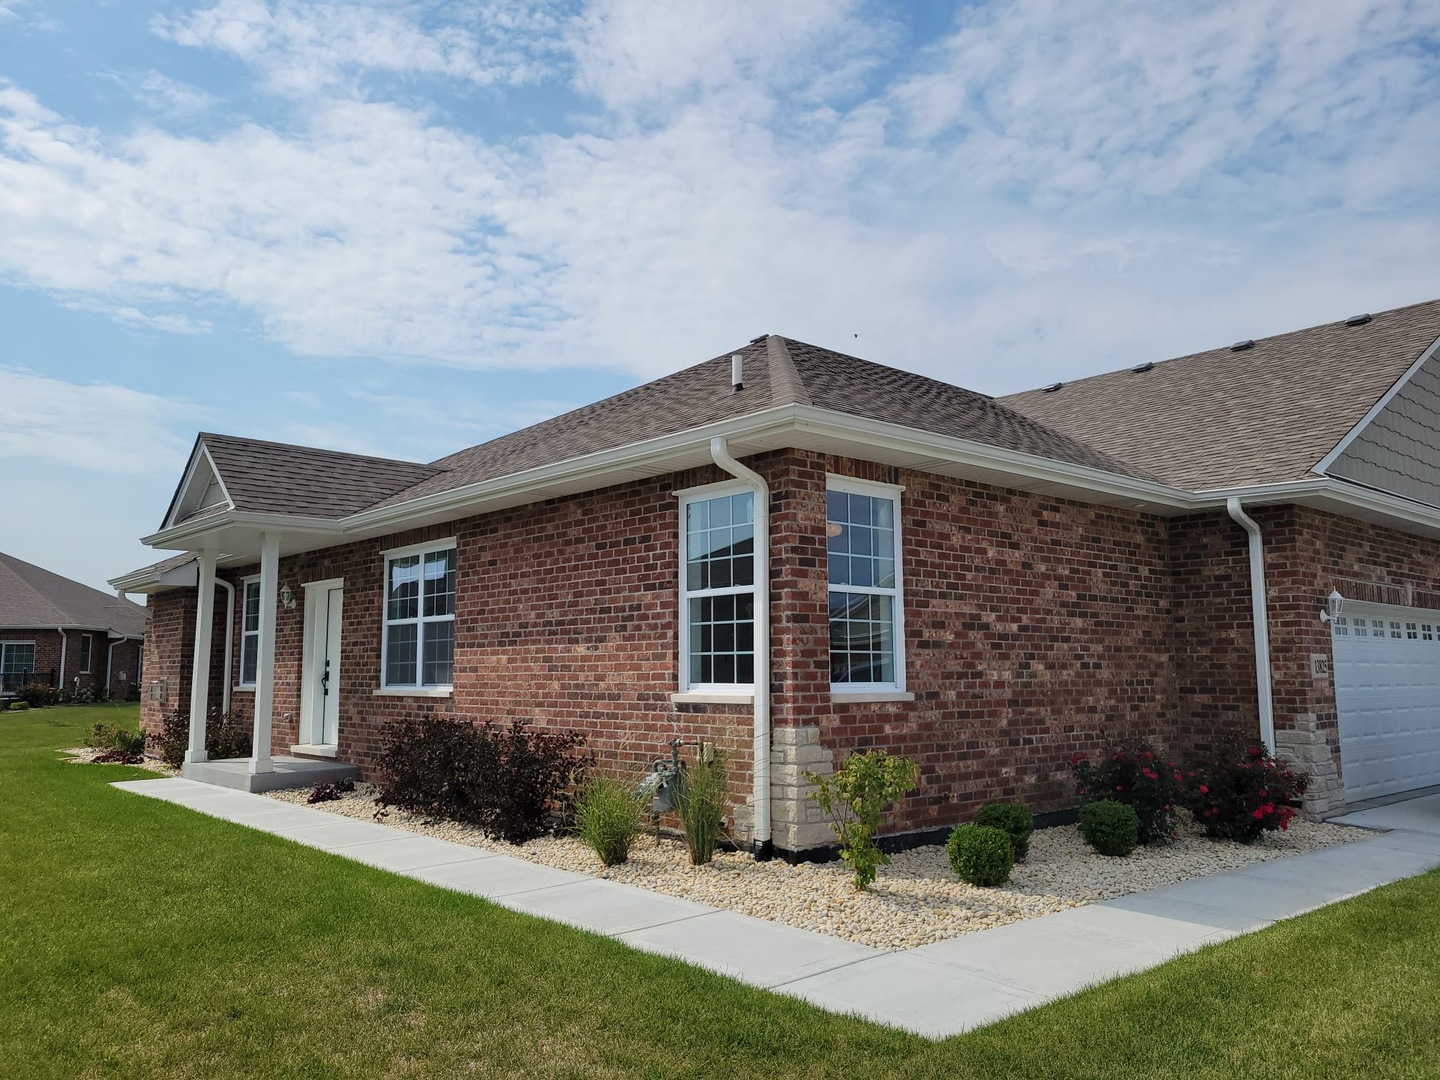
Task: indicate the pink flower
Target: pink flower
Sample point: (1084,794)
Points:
(1179,779)
(1150,774)
(1204,790)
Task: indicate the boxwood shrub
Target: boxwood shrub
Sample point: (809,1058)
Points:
(981,854)
(1013,819)
(1111,828)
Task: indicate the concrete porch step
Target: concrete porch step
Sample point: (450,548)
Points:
(288,772)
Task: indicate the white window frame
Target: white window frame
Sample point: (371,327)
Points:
(418,687)
(87,653)
(894,493)
(724,489)
(240,682)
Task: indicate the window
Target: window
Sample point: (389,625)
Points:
(17,664)
(862,526)
(250,631)
(419,649)
(87,650)
(717,590)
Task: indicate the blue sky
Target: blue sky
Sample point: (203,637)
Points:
(403,229)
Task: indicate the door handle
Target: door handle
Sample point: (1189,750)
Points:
(325,680)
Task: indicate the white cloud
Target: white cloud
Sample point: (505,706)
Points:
(306,47)
(1050,187)
(165,94)
(98,427)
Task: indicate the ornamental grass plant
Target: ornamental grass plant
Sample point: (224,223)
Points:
(608,817)
(701,797)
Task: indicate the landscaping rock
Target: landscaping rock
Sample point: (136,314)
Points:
(915,901)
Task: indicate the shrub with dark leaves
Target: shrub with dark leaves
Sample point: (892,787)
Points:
(1238,791)
(118,757)
(1134,773)
(225,737)
(506,781)
(105,736)
(331,792)
(38,695)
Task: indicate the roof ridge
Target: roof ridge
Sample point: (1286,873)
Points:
(786,386)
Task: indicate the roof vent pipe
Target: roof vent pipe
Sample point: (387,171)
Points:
(1358,320)
(737,373)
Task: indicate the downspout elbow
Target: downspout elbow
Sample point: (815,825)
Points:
(720,453)
(1260,615)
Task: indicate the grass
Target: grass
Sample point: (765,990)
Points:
(141,939)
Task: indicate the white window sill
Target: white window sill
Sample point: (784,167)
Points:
(858,697)
(314,751)
(711,697)
(243,689)
(415,691)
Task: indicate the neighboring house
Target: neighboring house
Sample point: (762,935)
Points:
(66,635)
(794,554)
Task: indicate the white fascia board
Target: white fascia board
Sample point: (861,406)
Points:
(966,452)
(1334,495)
(651,452)
(202,453)
(1350,436)
(184,537)
(767,426)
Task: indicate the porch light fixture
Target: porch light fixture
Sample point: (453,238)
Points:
(1335,604)
(287,598)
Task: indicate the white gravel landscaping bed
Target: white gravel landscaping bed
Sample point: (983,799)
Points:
(916,900)
(86,755)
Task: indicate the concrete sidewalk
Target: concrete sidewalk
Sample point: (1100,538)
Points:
(937,990)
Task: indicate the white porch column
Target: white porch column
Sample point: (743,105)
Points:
(200,665)
(265,666)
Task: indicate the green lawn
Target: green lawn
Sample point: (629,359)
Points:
(141,939)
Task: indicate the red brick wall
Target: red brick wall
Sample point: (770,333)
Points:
(169,654)
(47,651)
(1034,627)
(1214,628)
(47,658)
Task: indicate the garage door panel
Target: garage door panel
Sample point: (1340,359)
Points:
(1387,692)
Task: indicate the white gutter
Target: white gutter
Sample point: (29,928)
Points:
(1260,615)
(229,639)
(761,745)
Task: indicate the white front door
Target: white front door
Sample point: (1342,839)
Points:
(330,674)
(1387,695)
(320,679)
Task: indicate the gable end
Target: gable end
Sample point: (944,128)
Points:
(1396,448)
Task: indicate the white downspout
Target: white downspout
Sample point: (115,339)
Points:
(229,638)
(761,747)
(64,644)
(1260,615)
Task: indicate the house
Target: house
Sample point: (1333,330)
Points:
(62,634)
(793,554)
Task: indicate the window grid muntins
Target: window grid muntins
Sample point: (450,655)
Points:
(719,590)
(420,619)
(17,658)
(864,588)
(1385,629)
(250,634)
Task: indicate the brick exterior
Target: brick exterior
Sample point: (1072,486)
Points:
(1036,627)
(48,648)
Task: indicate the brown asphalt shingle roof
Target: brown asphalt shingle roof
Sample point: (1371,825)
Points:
(1221,418)
(32,598)
(268,477)
(778,371)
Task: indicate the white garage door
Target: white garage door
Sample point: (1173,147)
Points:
(1387,694)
